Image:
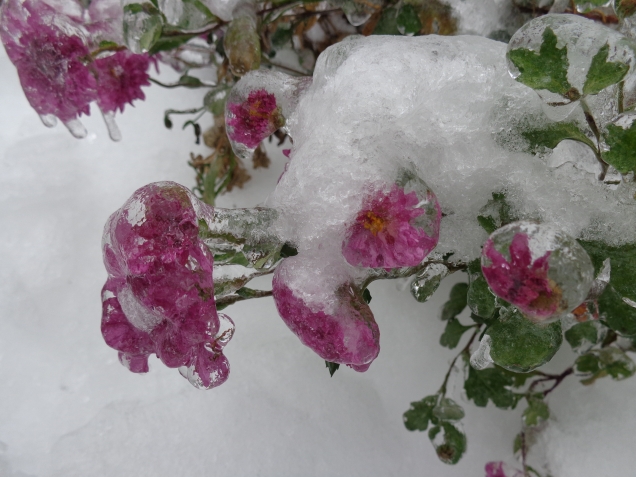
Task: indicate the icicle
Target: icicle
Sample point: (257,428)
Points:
(49,120)
(481,359)
(76,128)
(111,125)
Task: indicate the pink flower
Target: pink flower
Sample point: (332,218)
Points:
(521,281)
(120,78)
(159,297)
(501,469)
(387,233)
(253,120)
(344,332)
(51,63)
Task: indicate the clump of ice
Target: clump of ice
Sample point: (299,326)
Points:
(446,107)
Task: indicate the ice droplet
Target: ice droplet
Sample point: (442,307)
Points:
(111,125)
(481,359)
(49,120)
(76,128)
(427,281)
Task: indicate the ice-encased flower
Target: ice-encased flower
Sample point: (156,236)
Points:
(386,233)
(159,297)
(341,331)
(253,120)
(50,61)
(522,281)
(120,78)
(501,469)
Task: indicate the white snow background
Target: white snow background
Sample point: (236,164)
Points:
(68,408)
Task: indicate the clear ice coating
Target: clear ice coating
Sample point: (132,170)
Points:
(241,42)
(427,281)
(481,359)
(258,105)
(539,269)
(159,296)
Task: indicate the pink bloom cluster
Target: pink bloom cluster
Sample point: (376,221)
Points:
(253,120)
(58,74)
(159,296)
(385,233)
(521,281)
(347,334)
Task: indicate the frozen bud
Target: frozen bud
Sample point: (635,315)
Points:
(258,105)
(337,324)
(539,269)
(159,297)
(394,228)
(241,42)
(501,469)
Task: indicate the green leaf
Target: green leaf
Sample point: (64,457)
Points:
(215,99)
(520,345)
(603,73)
(622,262)
(449,442)
(609,361)
(456,302)
(491,384)
(289,250)
(448,410)
(550,135)
(190,81)
(166,43)
(479,298)
(366,296)
(333,367)
(387,24)
(622,147)
(453,333)
(407,20)
(496,213)
(618,315)
(547,69)
(108,44)
(536,412)
(583,335)
(282,36)
(420,414)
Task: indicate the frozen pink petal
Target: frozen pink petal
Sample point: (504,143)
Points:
(253,120)
(120,78)
(501,469)
(347,335)
(51,61)
(521,281)
(385,233)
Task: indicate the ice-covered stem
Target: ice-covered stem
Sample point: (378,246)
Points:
(241,295)
(381,274)
(463,352)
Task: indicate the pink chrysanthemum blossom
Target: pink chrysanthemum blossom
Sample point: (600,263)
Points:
(348,334)
(120,78)
(253,120)
(51,63)
(521,281)
(385,233)
(501,469)
(159,297)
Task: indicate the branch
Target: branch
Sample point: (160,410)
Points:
(442,389)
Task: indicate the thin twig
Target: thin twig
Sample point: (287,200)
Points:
(442,389)
(231,299)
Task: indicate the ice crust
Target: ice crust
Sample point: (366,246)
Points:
(446,107)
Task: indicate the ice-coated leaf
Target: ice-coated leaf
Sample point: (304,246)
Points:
(618,315)
(420,414)
(407,20)
(551,135)
(453,333)
(603,73)
(536,412)
(622,262)
(491,384)
(583,335)
(622,147)
(479,299)
(605,362)
(448,410)
(449,442)
(456,301)
(387,24)
(426,282)
(546,69)
(496,213)
(522,346)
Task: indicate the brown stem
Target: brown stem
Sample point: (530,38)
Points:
(227,300)
(442,389)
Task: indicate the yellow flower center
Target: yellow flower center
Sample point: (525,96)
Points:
(373,223)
